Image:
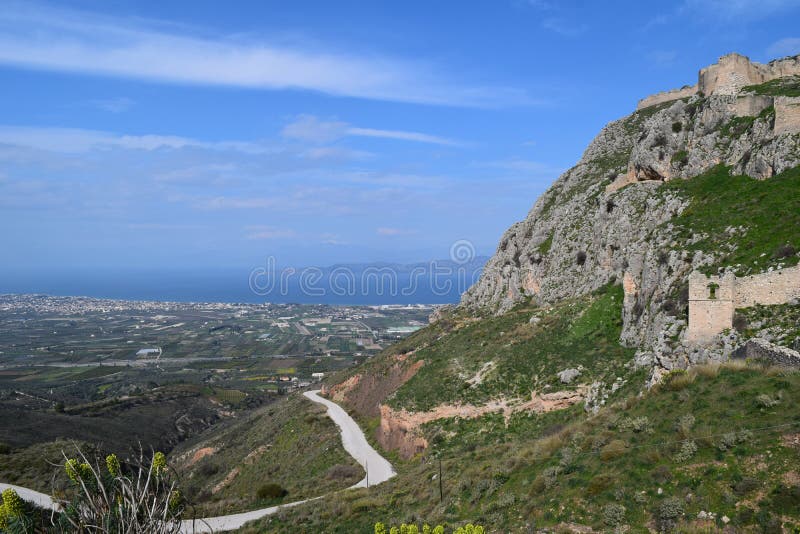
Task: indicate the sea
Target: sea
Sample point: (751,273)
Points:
(347,284)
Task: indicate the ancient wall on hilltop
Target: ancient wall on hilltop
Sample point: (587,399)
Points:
(787,115)
(730,74)
(775,287)
(667,96)
(727,77)
(713,299)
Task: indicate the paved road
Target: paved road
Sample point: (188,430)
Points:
(377,467)
(39,499)
(378,470)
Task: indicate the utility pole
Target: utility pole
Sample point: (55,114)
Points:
(441,492)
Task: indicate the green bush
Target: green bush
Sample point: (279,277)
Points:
(613,514)
(668,513)
(614,449)
(687,450)
(271,491)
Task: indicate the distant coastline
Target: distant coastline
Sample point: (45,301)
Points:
(365,284)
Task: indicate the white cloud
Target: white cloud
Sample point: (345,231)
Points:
(384,231)
(403,136)
(788,46)
(221,203)
(335,153)
(65,40)
(311,128)
(77,140)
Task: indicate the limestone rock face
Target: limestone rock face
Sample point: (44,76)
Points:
(608,218)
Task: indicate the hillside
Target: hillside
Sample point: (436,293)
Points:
(557,393)
(721,440)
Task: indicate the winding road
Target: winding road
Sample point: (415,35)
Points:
(378,469)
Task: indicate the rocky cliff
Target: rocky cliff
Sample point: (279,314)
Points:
(611,217)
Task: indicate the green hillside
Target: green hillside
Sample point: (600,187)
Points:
(724,440)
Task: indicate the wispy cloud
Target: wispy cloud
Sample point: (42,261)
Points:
(788,46)
(564,27)
(731,9)
(721,12)
(112,105)
(389,232)
(312,129)
(77,140)
(38,37)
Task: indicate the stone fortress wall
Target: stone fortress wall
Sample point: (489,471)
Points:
(713,299)
(667,96)
(729,76)
(787,115)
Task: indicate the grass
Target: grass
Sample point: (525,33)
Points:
(766,214)
(576,332)
(632,454)
(788,86)
(291,443)
(544,246)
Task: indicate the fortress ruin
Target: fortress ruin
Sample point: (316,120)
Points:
(728,76)
(713,299)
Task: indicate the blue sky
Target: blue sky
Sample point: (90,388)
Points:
(202,135)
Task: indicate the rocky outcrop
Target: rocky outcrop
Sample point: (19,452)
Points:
(608,218)
(763,350)
(400,429)
(363,393)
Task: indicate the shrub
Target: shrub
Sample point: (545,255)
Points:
(599,484)
(138,495)
(547,479)
(727,441)
(613,514)
(207,468)
(580,258)
(677,379)
(668,513)
(784,251)
(766,401)
(677,126)
(614,449)
(661,474)
(687,450)
(684,424)
(271,491)
(660,140)
(343,472)
(746,485)
(740,322)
